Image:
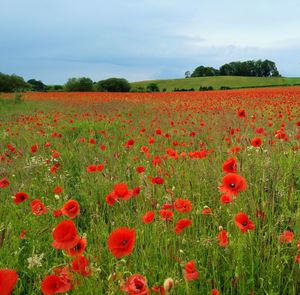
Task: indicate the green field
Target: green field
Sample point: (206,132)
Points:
(218,81)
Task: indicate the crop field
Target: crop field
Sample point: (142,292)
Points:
(150,193)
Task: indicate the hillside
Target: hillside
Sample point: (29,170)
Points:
(218,81)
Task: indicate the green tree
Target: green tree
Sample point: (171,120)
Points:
(11,83)
(36,85)
(152,87)
(82,84)
(113,85)
(202,71)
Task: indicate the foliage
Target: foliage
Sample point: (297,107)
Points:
(202,71)
(82,84)
(152,87)
(11,83)
(36,85)
(113,85)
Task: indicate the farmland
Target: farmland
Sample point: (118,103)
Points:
(139,193)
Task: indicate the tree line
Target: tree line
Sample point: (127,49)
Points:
(251,68)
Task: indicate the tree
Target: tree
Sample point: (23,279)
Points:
(11,83)
(202,71)
(36,85)
(152,87)
(82,84)
(187,74)
(113,85)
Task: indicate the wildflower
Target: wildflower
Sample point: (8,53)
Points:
(20,197)
(148,217)
(286,237)
(181,224)
(233,184)
(191,272)
(71,209)
(229,166)
(8,280)
(78,249)
(182,205)
(243,222)
(54,284)
(135,284)
(65,235)
(4,183)
(166,214)
(223,238)
(38,208)
(80,266)
(121,241)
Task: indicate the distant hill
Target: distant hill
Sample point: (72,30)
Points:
(217,82)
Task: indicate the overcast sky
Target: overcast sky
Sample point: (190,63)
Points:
(143,39)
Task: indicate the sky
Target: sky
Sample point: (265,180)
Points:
(144,39)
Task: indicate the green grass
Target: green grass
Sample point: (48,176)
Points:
(219,81)
(254,261)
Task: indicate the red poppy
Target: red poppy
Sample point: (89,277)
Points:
(206,211)
(226,199)
(57,190)
(121,241)
(182,205)
(121,190)
(23,233)
(38,208)
(111,198)
(233,184)
(256,142)
(229,166)
(80,265)
(157,180)
(181,224)
(91,168)
(71,209)
(100,167)
(20,197)
(4,183)
(135,285)
(286,237)
(54,284)
(167,206)
(65,235)
(57,213)
(140,169)
(242,113)
(223,238)
(215,292)
(148,217)
(166,214)
(33,148)
(243,222)
(78,249)
(8,280)
(191,272)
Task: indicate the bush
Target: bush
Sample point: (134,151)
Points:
(152,87)
(206,88)
(113,85)
(11,83)
(82,84)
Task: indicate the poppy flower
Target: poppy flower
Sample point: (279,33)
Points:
(4,183)
(135,285)
(181,224)
(57,190)
(38,208)
(242,113)
(121,190)
(243,222)
(54,284)
(223,238)
(140,169)
(215,292)
(191,272)
(206,211)
(111,198)
(226,199)
(148,217)
(78,249)
(157,180)
(256,142)
(71,209)
(233,184)
(166,214)
(80,265)
(65,235)
(8,280)
(229,166)
(20,197)
(33,148)
(57,213)
(121,241)
(182,205)
(286,237)
(91,168)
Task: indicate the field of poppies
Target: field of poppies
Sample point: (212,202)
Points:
(150,193)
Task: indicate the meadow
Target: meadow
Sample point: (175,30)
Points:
(219,81)
(150,193)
